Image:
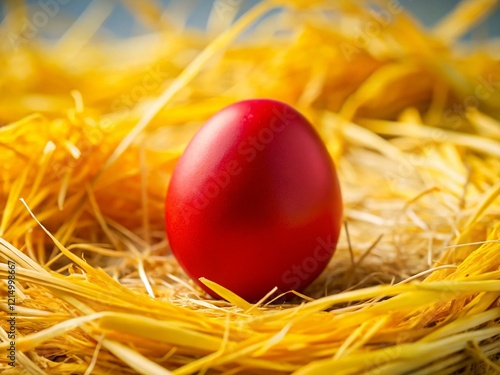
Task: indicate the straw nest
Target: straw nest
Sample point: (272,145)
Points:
(91,128)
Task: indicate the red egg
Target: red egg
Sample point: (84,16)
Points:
(254,201)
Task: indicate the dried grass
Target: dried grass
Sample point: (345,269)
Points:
(91,130)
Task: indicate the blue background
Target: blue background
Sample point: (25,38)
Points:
(122,23)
